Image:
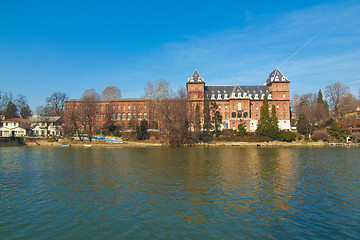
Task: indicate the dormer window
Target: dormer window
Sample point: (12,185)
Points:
(226,96)
(239,106)
(269,96)
(233,95)
(239,95)
(213,96)
(256,96)
(245,95)
(219,96)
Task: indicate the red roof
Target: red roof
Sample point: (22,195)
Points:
(16,120)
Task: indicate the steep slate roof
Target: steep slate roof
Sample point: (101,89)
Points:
(195,78)
(276,76)
(251,91)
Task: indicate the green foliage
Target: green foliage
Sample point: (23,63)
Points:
(303,125)
(241,129)
(339,133)
(274,130)
(11,110)
(216,117)
(141,130)
(287,136)
(268,126)
(207,119)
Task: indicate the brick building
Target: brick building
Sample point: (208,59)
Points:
(242,102)
(236,103)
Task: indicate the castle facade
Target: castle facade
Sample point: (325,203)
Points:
(236,104)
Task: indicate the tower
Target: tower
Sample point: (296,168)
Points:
(278,86)
(195,87)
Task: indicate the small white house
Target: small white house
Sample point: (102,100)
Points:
(14,127)
(46,125)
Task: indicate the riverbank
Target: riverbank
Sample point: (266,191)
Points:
(43,143)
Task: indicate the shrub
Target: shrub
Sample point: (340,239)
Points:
(320,134)
(287,136)
(206,137)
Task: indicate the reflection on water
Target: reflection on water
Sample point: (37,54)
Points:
(176,193)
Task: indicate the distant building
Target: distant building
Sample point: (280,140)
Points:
(242,103)
(14,127)
(237,103)
(46,125)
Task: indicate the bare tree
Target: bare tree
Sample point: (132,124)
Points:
(174,119)
(56,103)
(156,93)
(311,111)
(5,98)
(89,110)
(348,103)
(23,107)
(111,93)
(334,93)
(73,117)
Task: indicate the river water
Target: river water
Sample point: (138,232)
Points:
(179,193)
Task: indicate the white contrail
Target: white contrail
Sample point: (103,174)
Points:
(299,49)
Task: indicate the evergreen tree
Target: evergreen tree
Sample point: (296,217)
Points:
(264,122)
(320,97)
(207,119)
(11,110)
(141,130)
(274,130)
(241,129)
(216,117)
(303,125)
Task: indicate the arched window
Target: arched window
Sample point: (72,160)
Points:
(145,116)
(239,115)
(233,114)
(135,115)
(140,116)
(123,116)
(128,116)
(239,106)
(118,117)
(245,114)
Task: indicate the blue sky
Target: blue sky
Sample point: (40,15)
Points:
(50,46)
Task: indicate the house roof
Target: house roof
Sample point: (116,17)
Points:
(19,120)
(38,118)
(276,76)
(195,78)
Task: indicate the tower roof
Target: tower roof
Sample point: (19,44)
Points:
(276,76)
(195,78)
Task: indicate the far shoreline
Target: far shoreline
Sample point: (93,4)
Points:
(131,144)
